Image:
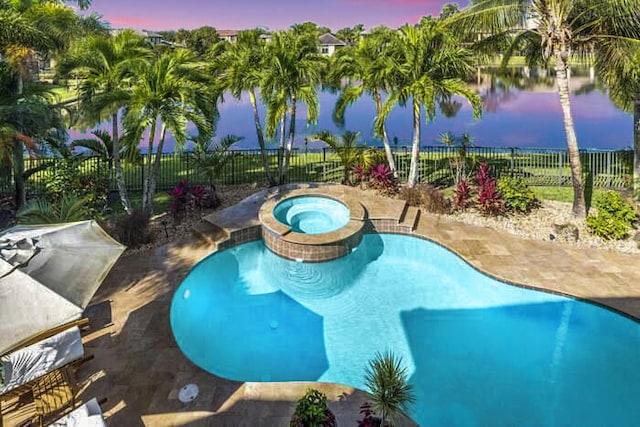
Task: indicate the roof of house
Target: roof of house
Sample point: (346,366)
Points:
(152,34)
(227,33)
(330,39)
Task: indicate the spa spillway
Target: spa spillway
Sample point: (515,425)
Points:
(311,226)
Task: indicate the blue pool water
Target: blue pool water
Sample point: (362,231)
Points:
(478,352)
(312,214)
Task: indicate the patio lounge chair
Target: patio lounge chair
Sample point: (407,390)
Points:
(27,364)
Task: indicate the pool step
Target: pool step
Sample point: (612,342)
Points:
(409,218)
(209,233)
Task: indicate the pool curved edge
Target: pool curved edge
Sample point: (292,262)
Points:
(369,227)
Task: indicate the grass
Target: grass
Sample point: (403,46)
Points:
(560,194)
(161,203)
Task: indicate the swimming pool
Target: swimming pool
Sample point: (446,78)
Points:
(479,352)
(312,214)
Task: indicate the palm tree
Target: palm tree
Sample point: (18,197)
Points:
(70,208)
(552,30)
(430,68)
(210,158)
(293,71)
(619,65)
(347,149)
(106,65)
(370,64)
(170,91)
(239,70)
(387,382)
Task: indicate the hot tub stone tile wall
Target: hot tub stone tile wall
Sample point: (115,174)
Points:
(243,235)
(309,253)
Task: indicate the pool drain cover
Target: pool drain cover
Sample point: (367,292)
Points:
(188,393)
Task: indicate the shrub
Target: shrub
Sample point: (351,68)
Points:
(360,172)
(427,196)
(381,178)
(462,195)
(615,217)
(489,200)
(517,195)
(312,411)
(187,198)
(133,230)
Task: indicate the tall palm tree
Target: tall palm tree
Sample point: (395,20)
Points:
(618,64)
(388,385)
(239,69)
(293,71)
(106,66)
(552,30)
(430,68)
(170,91)
(369,64)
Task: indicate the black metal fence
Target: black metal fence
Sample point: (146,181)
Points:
(539,167)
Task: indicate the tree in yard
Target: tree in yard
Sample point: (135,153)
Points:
(370,65)
(238,69)
(202,39)
(350,35)
(388,384)
(292,72)
(210,158)
(551,31)
(169,91)
(347,149)
(430,68)
(106,66)
(619,65)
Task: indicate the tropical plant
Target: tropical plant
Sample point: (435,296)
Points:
(381,178)
(615,217)
(431,66)
(69,208)
(106,67)
(618,62)
(388,384)
(551,30)
(426,196)
(170,91)
(368,416)
(489,199)
(210,158)
(459,163)
(370,64)
(238,70)
(293,70)
(517,195)
(462,195)
(348,151)
(312,411)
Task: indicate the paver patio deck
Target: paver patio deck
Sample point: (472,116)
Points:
(140,369)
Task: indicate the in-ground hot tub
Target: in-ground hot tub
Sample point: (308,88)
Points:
(312,214)
(311,225)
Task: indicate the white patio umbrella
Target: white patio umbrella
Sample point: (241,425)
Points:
(48,275)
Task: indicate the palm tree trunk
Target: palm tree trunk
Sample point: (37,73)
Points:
(117,163)
(292,135)
(283,127)
(263,149)
(385,137)
(415,149)
(636,147)
(155,171)
(18,174)
(579,207)
(147,204)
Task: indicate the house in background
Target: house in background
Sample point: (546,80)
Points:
(229,35)
(153,37)
(330,43)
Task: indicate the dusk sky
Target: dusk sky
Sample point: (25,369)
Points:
(272,14)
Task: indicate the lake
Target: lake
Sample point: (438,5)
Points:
(520,110)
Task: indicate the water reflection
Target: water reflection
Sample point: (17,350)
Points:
(521,109)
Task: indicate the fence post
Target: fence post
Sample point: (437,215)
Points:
(609,164)
(560,169)
(324,154)
(233,169)
(512,164)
